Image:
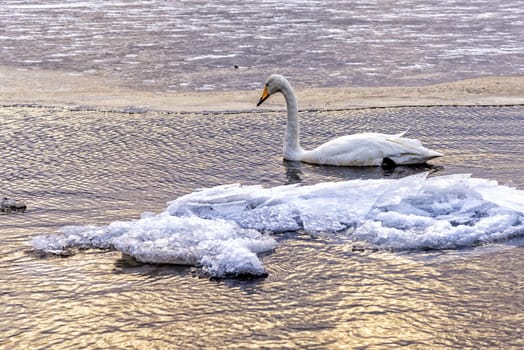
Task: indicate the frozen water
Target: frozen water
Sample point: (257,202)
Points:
(220,247)
(222,229)
(415,212)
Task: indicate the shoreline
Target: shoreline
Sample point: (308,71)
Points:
(19,87)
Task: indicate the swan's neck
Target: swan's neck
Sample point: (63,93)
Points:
(292,149)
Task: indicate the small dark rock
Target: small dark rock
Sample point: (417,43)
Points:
(8,205)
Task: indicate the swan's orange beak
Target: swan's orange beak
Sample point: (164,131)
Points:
(265,96)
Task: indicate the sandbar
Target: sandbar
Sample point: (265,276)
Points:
(69,89)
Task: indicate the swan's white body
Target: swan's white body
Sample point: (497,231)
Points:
(366,149)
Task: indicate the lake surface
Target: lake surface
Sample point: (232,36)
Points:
(195,45)
(87,168)
(75,167)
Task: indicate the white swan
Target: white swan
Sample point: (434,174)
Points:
(366,149)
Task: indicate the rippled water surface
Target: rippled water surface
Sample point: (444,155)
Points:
(185,45)
(91,167)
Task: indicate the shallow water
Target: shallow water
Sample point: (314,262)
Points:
(196,45)
(91,167)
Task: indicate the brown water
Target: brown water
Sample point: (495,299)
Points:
(89,167)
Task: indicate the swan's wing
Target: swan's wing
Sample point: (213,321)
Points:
(401,134)
(349,150)
(410,151)
(370,149)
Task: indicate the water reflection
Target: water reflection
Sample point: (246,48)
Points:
(79,168)
(296,171)
(129,265)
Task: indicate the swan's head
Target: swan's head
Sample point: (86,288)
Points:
(275,83)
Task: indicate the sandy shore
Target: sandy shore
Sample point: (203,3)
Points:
(55,88)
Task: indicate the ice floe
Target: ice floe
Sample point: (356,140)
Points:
(223,229)
(220,247)
(415,212)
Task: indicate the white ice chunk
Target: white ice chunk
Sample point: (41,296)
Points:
(331,206)
(220,247)
(224,228)
(410,213)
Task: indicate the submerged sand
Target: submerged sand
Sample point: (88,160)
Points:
(57,88)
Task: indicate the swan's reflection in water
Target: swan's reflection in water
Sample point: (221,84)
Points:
(297,172)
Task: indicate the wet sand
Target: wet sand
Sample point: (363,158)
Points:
(58,88)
